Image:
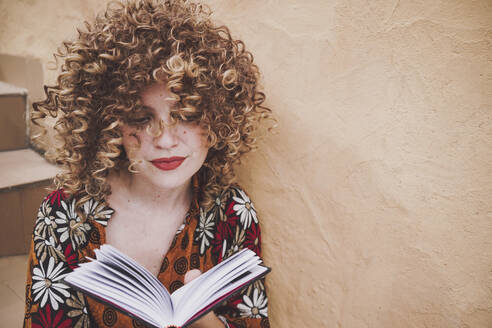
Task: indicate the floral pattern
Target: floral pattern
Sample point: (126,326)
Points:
(47,284)
(97,211)
(204,231)
(245,209)
(235,246)
(256,306)
(236,229)
(71,225)
(47,246)
(253,239)
(45,223)
(64,235)
(56,197)
(218,210)
(78,310)
(71,257)
(45,319)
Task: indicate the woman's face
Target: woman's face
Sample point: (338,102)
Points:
(167,155)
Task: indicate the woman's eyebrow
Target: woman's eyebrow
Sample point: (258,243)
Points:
(147,108)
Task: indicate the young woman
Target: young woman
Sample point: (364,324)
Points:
(155,105)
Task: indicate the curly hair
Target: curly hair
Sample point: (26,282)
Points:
(131,46)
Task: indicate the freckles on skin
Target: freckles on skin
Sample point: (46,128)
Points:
(155,134)
(134,139)
(131,142)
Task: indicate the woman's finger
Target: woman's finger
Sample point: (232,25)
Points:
(192,274)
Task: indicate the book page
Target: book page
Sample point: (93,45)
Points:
(131,286)
(224,294)
(143,285)
(101,290)
(205,296)
(179,294)
(138,270)
(121,282)
(217,283)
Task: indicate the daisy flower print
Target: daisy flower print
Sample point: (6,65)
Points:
(45,223)
(47,286)
(97,211)
(70,225)
(256,306)
(245,209)
(204,230)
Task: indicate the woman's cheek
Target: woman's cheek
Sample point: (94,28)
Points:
(131,142)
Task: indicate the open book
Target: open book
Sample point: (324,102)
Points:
(120,281)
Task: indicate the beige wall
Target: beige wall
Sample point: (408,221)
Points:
(376,193)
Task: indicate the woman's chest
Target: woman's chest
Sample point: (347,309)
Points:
(169,252)
(147,240)
(182,255)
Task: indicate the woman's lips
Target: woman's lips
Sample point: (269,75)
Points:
(168,163)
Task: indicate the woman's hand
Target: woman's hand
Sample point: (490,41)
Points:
(209,320)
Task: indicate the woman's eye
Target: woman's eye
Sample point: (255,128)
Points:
(140,120)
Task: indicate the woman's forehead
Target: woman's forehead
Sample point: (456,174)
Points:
(157,96)
(157,92)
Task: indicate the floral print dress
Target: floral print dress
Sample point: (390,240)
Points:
(61,240)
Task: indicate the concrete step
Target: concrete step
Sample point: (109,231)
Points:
(27,73)
(13,109)
(24,180)
(23,167)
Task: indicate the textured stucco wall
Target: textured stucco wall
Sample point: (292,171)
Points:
(375,194)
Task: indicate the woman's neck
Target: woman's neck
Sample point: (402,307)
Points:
(147,194)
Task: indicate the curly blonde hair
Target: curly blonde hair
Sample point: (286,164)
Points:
(131,46)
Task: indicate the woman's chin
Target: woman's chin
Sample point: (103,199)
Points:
(167,180)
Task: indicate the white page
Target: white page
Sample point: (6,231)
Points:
(105,256)
(103,281)
(143,293)
(192,300)
(208,281)
(185,315)
(138,291)
(189,288)
(218,285)
(131,305)
(133,284)
(203,296)
(150,280)
(106,277)
(255,271)
(116,256)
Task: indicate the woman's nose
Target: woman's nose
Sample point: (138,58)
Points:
(167,135)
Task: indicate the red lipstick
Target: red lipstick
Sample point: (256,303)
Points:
(168,163)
